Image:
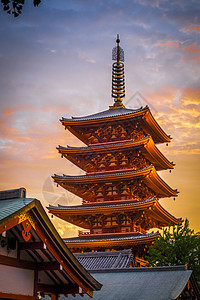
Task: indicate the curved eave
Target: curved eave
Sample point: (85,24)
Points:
(72,124)
(146,144)
(154,129)
(102,177)
(156,156)
(157,184)
(91,120)
(65,212)
(112,242)
(88,283)
(160,212)
(148,175)
(149,123)
(152,207)
(74,268)
(103,147)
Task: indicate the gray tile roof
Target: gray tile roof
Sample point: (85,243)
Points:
(106,114)
(164,283)
(10,206)
(115,237)
(105,260)
(102,175)
(102,146)
(103,205)
(14,193)
(12,201)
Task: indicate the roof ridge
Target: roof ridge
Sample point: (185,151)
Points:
(14,193)
(148,136)
(146,269)
(119,172)
(132,236)
(106,114)
(103,204)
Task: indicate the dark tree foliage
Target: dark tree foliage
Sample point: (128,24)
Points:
(178,245)
(14,7)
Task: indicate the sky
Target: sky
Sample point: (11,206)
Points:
(55,61)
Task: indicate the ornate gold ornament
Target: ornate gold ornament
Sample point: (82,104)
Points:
(27,216)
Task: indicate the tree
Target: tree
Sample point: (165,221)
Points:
(14,7)
(178,245)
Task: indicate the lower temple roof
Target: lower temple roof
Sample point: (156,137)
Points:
(158,283)
(92,261)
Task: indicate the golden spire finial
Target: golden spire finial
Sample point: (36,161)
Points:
(118,81)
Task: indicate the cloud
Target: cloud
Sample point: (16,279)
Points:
(65,229)
(193,49)
(168,44)
(55,61)
(193,52)
(195,28)
(178,113)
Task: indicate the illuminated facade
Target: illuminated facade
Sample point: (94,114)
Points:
(121,188)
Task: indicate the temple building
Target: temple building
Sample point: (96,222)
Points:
(121,187)
(34,260)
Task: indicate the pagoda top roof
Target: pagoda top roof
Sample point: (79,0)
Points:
(150,125)
(106,114)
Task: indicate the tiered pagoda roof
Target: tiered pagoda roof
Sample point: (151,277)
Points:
(121,188)
(82,156)
(114,241)
(81,185)
(150,208)
(120,115)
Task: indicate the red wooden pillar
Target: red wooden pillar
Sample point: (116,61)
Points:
(54,296)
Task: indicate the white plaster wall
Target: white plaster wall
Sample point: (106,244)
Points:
(16,281)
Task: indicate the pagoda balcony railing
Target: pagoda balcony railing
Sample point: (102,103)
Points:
(139,262)
(136,229)
(113,199)
(83,232)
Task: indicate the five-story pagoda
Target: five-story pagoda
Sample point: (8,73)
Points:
(121,188)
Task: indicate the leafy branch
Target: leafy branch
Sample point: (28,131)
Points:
(14,7)
(178,245)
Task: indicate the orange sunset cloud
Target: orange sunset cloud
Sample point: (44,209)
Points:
(168,44)
(56,61)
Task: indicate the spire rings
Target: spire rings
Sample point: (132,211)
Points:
(118,81)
